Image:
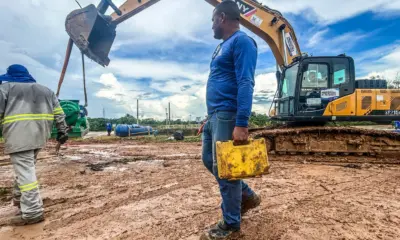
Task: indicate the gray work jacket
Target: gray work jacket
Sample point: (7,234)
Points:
(27,111)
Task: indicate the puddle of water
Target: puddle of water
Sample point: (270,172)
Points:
(114,169)
(103,154)
(148,162)
(73,158)
(176,155)
(23,232)
(170,185)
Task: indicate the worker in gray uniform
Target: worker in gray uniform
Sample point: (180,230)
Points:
(27,110)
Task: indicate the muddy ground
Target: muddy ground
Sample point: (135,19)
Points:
(133,190)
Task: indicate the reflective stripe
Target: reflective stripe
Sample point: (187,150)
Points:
(28,115)
(58,111)
(28,187)
(29,118)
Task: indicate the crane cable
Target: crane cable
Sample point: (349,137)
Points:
(84,78)
(66,61)
(78,4)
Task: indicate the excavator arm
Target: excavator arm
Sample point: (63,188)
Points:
(94,33)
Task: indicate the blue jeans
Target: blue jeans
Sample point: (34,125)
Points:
(219,127)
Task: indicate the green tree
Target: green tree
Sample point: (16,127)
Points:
(259,120)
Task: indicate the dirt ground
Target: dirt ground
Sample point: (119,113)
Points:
(133,190)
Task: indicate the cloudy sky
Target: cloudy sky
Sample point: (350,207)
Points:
(162,54)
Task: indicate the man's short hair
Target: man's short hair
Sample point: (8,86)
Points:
(230,8)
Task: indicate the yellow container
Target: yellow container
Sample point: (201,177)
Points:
(244,161)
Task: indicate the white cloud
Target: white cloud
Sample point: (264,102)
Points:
(317,38)
(264,91)
(183,104)
(322,43)
(157,70)
(329,11)
(175,86)
(386,66)
(167,23)
(119,93)
(265,83)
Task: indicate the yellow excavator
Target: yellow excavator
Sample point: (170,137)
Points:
(311,90)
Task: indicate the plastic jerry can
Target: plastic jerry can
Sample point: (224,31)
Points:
(242,161)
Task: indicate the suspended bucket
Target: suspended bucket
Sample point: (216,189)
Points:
(92,32)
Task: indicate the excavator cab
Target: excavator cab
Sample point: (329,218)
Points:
(310,84)
(92,32)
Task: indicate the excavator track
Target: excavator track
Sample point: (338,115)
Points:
(334,141)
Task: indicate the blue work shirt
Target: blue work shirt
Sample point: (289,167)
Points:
(230,85)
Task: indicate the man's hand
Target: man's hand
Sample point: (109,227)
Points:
(201,128)
(240,135)
(62,137)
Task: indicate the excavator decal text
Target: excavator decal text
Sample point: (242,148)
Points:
(246,9)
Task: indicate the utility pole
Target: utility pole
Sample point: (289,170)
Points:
(166,116)
(137,111)
(169,113)
(397,81)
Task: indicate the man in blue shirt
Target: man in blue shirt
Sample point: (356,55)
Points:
(109,128)
(229,100)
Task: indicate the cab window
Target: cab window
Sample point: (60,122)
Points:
(316,76)
(340,71)
(289,82)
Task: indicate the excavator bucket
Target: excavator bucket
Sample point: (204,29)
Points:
(92,32)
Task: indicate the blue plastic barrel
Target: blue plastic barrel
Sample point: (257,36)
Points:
(122,130)
(397,124)
(140,130)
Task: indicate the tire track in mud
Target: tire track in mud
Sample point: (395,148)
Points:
(293,214)
(130,198)
(179,200)
(178,228)
(157,190)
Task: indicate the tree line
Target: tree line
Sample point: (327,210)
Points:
(99,124)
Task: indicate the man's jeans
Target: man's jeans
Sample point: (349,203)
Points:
(219,127)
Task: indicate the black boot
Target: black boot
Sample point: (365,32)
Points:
(19,221)
(250,203)
(220,231)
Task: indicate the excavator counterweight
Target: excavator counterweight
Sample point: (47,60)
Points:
(92,32)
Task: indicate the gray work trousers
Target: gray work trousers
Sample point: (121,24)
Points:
(26,187)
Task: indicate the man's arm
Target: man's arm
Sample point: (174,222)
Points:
(59,116)
(245,57)
(3,100)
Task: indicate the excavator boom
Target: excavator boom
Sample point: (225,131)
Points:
(94,33)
